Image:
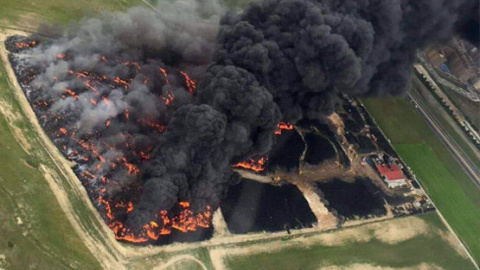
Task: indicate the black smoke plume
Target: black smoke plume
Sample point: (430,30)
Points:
(295,56)
(277,60)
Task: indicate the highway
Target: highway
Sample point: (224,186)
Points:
(457,151)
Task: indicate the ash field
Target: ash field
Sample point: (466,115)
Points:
(190,128)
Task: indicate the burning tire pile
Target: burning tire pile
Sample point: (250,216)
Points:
(156,105)
(109,158)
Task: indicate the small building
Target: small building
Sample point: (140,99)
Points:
(392,175)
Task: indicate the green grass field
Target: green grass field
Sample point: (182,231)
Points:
(34,230)
(451,189)
(439,181)
(430,249)
(428,100)
(21,13)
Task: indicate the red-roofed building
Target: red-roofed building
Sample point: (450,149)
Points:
(393,176)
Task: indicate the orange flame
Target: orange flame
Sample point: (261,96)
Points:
(169,99)
(130,207)
(71,93)
(105,100)
(253,164)
(184,204)
(283,126)
(132,169)
(25,45)
(131,63)
(150,123)
(123,82)
(114,211)
(165,75)
(191,85)
(258,164)
(185,221)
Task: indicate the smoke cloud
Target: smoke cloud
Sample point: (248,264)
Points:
(277,60)
(296,56)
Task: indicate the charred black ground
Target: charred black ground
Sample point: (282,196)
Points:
(252,207)
(122,87)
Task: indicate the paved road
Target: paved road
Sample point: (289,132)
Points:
(452,145)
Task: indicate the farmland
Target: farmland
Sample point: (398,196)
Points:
(27,15)
(450,188)
(425,246)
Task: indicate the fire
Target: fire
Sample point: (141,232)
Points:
(191,85)
(134,64)
(150,123)
(105,100)
(184,204)
(257,164)
(132,169)
(89,85)
(163,224)
(130,207)
(283,126)
(143,155)
(203,219)
(26,45)
(253,164)
(164,72)
(123,82)
(169,99)
(90,148)
(89,174)
(108,208)
(185,221)
(71,93)
(98,172)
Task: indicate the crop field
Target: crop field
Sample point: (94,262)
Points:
(450,188)
(425,247)
(446,121)
(25,14)
(439,181)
